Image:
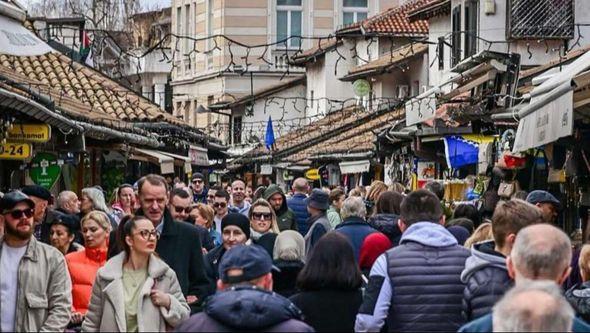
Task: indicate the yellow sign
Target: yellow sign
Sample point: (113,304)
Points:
(312,174)
(15,151)
(30,133)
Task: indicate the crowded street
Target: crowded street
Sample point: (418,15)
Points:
(294,166)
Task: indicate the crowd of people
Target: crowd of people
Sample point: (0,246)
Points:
(163,256)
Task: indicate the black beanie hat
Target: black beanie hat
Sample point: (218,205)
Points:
(237,220)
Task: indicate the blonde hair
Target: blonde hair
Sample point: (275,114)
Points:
(99,217)
(584,262)
(482,233)
(377,187)
(274,227)
(206,212)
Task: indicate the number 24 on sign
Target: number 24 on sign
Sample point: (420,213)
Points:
(15,151)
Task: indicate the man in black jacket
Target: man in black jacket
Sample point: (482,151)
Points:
(245,301)
(179,244)
(486,276)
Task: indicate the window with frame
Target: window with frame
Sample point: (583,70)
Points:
(456,36)
(471,12)
(187,31)
(237,130)
(354,11)
(289,23)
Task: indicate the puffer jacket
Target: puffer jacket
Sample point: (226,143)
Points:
(83,266)
(579,297)
(246,308)
(299,207)
(44,300)
(285,216)
(486,280)
(386,224)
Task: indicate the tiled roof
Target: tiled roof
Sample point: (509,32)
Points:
(321,46)
(80,91)
(386,61)
(393,21)
(429,9)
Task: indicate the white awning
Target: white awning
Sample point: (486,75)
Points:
(355,167)
(166,162)
(17,40)
(185,161)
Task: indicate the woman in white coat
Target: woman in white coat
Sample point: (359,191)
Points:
(135,291)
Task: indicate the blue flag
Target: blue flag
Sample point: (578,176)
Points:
(269,139)
(460,152)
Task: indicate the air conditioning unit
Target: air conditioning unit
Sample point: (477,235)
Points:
(402,91)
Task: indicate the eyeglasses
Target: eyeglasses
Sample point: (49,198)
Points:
(179,210)
(147,234)
(211,196)
(259,216)
(219,205)
(197,181)
(18,213)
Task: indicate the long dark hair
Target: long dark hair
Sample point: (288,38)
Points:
(125,228)
(331,265)
(389,202)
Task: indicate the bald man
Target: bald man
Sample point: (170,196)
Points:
(68,202)
(541,252)
(297,203)
(238,201)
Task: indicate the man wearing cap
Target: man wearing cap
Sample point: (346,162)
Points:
(35,287)
(199,189)
(317,206)
(245,301)
(43,217)
(548,204)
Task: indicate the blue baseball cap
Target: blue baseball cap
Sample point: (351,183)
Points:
(252,260)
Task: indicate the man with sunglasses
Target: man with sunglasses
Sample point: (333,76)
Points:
(221,207)
(180,208)
(199,189)
(35,287)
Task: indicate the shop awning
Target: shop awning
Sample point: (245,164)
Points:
(550,115)
(355,167)
(166,162)
(184,161)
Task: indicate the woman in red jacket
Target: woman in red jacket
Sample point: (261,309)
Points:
(83,265)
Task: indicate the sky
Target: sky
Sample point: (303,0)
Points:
(145,3)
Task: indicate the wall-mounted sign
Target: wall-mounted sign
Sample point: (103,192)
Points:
(30,133)
(15,151)
(198,156)
(361,88)
(266,169)
(45,169)
(312,174)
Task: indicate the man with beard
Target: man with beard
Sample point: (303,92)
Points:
(42,216)
(238,194)
(180,207)
(285,217)
(35,287)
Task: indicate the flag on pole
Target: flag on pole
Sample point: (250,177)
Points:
(269,139)
(460,152)
(86,50)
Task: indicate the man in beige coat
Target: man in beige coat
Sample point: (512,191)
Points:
(35,287)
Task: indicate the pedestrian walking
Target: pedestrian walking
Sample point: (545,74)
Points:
(386,215)
(297,203)
(200,191)
(285,216)
(330,286)
(481,234)
(396,291)
(67,202)
(43,216)
(579,295)
(337,197)
(62,234)
(373,246)
(235,231)
(245,301)
(34,281)
(179,206)
(375,190)
(221,206)
(317,205)
(288,257)
(353,226)
(238,195)
(202,215)
(84,264)
(93,199)
(486,275)
(469,212)
(124,202)
(136,291)
(549,205)
(263,225)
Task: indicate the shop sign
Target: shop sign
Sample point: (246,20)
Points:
(30,133)
(198,156)
(15,151)
(45,169)
(312,174)
(266,169)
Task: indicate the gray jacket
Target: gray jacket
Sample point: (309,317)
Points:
(319,227)
(44,297)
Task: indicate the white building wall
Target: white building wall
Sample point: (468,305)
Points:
(439,26)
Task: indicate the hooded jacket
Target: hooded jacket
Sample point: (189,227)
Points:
(387,224)
(579,297)
(486,280)
(285,216)
(246,308)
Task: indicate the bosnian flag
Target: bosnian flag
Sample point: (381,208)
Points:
(460,152)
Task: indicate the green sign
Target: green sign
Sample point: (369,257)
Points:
(45,170)
(361,88)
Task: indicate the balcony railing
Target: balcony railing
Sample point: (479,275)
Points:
(536,19)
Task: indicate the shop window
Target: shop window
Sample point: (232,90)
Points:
(289,22)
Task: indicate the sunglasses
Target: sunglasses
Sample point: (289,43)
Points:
(197,181)
(259,216)
(146,234)
(182,209)
(219,205)
(17,213)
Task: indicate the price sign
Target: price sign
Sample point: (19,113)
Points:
(15,151)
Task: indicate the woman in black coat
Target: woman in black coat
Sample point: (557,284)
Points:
(330,285)
(387,209)
(288,255)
